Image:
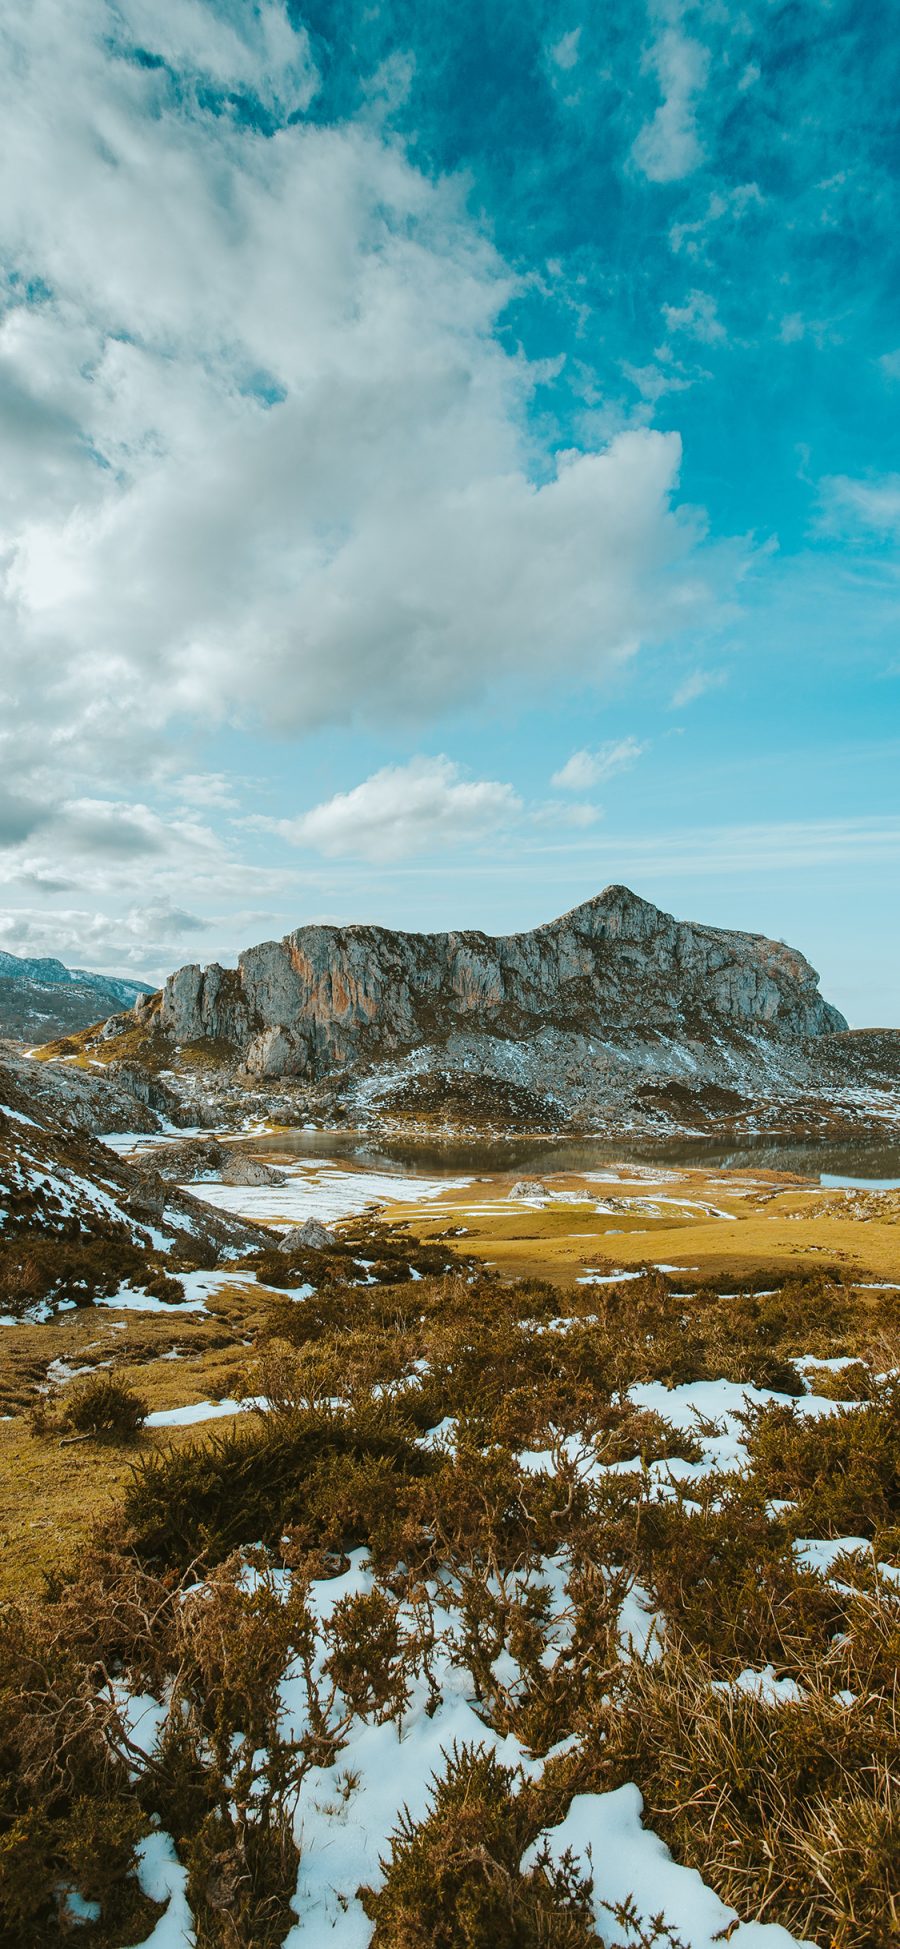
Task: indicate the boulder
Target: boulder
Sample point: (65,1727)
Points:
(192,1158)
(529,1188)
(312,1236)
(241,1169)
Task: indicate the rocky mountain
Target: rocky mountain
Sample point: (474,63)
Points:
(614,1015)
(40,999)
(329,997)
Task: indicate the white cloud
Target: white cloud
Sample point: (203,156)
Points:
(587,768)
(232,46)
(401,810)
(695,685)
(654,381)
(697,317)
(160,920)
(210,789)
(564,52)
(266,459)
(691,236)
(868,504)
(667,148)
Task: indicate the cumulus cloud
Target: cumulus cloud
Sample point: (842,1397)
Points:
(587,768)
(19,817)
(667,147)
(404,809)
(160,920)
(136,943)
(272,458)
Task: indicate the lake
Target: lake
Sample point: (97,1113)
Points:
(872,1165)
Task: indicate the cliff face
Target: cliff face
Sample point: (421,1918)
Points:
(615,972)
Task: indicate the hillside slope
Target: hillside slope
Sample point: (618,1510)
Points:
(78,1221)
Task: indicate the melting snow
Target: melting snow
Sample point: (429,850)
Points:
(201,1411)
(321,1190)
(606,1834)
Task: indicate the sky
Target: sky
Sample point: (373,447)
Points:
(449,463)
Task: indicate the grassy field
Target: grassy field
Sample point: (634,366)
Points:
(519,1573)
(771,1221)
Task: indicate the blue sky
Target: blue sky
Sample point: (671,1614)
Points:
(451,463)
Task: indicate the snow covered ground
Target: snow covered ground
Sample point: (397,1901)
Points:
(348,1810)
(320,1189)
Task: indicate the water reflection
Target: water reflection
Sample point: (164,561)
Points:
(867,1163)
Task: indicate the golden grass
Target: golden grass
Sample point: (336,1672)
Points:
(51,1495)
(766,1228)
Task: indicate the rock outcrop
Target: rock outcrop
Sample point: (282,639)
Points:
(328,998)
(614,1014)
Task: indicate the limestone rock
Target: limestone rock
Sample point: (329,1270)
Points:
(311,1236)
(191,1158)
(584,1011)
(528,1188)
(248,1170)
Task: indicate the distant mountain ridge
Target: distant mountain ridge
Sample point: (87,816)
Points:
(41,998)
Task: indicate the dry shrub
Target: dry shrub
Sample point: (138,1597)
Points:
(69,1813)
(855,1382)
(747,1791)
(325,1472)
(100,1407)
(842,1470)
(104,1407)
(725,1578)
(242,1874)
(225,1779)
(372,1658)
(453,1881)
(788,1809)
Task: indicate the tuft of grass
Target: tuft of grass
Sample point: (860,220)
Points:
(790,1810)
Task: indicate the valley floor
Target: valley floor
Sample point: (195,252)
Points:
(549,1599)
